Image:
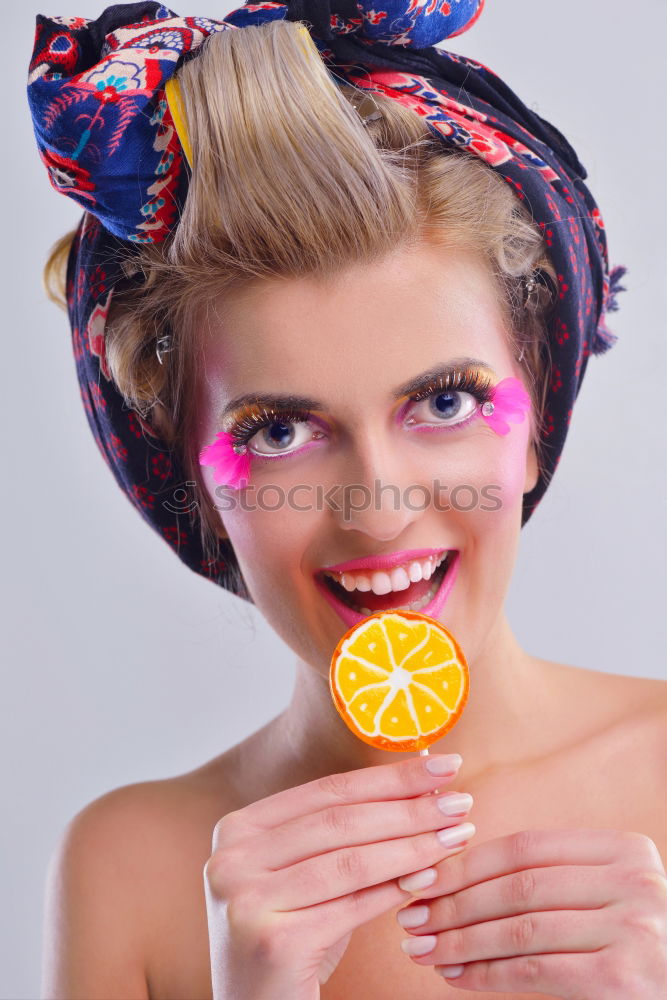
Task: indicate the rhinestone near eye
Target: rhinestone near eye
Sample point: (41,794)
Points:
(487,409)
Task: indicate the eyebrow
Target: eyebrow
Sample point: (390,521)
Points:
(292,402)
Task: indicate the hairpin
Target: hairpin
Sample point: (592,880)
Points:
(367,104)
(533,284)
(163,346)
(529,284)
(371,118)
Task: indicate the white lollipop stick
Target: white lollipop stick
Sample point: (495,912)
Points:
(424,753)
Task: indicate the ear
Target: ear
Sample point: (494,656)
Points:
(532,470)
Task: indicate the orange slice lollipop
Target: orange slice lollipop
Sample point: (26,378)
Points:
(399,680)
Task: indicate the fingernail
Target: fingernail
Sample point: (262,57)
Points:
(419,945)
(455,804)
(450,971)
(413,916)
(454,835)
(441,764)
(418,880)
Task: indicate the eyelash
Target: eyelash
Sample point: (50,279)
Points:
(253,420)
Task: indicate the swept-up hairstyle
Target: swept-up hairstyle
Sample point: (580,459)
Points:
(288,182)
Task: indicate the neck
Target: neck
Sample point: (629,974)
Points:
(507,690)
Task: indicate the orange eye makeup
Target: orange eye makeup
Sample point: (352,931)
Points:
(249,415)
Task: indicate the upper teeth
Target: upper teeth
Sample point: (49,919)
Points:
(399,578)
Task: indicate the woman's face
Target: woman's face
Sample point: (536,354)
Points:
(368,473)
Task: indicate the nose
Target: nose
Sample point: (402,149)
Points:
(378,494)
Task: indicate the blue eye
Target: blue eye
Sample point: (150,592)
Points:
(449,406)
(280,437)
(272,433)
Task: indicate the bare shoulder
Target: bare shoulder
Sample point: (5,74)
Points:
(614,725)
(643,744)
(640,702)
(610,698)
(143,822)
(621,733)
(643,721)
(630,711)
(120,865)
(95,926)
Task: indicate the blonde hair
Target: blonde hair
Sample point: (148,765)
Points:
(288,182)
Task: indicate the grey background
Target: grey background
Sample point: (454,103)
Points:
(119,664)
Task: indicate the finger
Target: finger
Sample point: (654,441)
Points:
(403,779)
(533,849)
(327,922)
(351,826)
(565,887)
(558,974)
(526,934)
(337,873)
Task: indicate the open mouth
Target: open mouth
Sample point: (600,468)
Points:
(414,598)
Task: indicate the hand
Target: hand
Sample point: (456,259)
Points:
(570,913)
(292,875)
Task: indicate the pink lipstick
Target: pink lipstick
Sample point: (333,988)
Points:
(443,580)
(385,562)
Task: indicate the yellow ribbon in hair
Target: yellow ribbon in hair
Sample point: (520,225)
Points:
(175,101)
(307,46)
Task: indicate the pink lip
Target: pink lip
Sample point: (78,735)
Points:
(351,617)
(383,562)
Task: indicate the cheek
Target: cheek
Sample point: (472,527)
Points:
(483,472)
(509,467)
(269,536)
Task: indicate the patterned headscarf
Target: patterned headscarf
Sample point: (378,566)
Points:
(106,135)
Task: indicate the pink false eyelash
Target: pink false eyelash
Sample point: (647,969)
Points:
(510,402)
(230,469)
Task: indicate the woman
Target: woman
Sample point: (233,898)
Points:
(337,248)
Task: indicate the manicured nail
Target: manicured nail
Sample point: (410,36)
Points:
(442,764)
(454,835)
(419,945)
(455,804)
(418,880)
(413,916)
(450,971)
